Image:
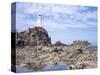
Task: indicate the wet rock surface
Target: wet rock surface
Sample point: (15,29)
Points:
(34,50)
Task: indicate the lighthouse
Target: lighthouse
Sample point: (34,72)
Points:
(39,21)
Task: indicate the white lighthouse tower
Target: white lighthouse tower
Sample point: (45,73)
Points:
(39,21)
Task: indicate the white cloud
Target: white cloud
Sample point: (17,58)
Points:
(63,16)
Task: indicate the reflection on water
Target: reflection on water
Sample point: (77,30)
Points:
(60,66)
(23,69)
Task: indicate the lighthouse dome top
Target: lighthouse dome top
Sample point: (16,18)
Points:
(39,15)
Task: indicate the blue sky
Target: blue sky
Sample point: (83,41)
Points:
(63,22)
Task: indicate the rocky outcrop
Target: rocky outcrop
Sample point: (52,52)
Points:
(81,43)
(59,43)
(33,37)
(37,51)
(39,56)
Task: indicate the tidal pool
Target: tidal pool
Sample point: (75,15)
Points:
(23,69)
(60,66)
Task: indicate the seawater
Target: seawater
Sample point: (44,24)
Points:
(60,66)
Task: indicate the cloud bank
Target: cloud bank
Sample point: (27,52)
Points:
(55,16)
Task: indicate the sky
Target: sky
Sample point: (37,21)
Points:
(64,23)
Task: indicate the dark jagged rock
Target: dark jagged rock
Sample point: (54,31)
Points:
(33,37)
(59,43)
